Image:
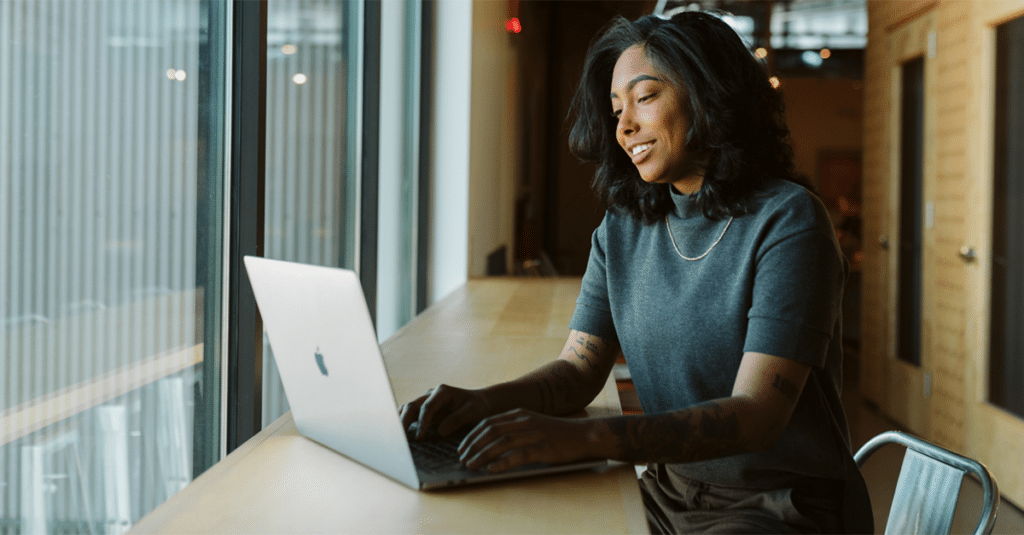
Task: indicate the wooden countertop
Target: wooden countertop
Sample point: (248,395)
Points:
(486,331)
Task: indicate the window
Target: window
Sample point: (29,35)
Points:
(145,147)
(908,320)
(1006,366)
(111,210)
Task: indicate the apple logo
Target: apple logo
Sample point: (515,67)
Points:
(320,361)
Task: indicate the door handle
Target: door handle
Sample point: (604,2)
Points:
(968,254)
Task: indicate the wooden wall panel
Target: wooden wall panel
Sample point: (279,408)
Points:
(875,208)
(948,408)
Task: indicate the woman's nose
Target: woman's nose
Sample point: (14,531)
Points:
(627,124)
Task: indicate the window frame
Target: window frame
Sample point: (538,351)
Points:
(242,411)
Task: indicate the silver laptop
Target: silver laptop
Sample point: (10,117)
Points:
(327,354)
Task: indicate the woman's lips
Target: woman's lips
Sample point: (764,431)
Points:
(638,152)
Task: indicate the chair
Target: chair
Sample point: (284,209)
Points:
(929,485)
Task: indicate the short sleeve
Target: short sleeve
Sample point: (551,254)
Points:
(593,310)
(797,295)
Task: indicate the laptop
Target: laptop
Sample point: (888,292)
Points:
(335,379)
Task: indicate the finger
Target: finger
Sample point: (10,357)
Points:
(458,419)
(483,427)
(501,447)
(409,412)
(513,459)
(498,437)
(437,400)
(479,455)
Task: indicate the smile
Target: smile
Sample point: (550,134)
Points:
(639,148)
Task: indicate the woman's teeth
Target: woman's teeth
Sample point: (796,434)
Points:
(640,148)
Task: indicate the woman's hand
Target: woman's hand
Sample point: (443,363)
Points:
(447,407)
(520,436)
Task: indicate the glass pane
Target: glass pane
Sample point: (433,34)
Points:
(312,87)
(398,176)
(908,326)
(1006,370)
(108,136)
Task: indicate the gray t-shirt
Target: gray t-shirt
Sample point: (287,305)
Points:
(772,283)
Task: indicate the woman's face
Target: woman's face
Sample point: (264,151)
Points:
(653,122)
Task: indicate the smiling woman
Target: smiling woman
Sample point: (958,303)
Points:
(652,123)
(734,117)
(728,314)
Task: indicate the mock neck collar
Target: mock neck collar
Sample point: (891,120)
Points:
(686,205)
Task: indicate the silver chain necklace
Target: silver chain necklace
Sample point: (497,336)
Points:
(684,257)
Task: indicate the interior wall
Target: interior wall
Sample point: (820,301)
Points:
(533,111)
(495,134)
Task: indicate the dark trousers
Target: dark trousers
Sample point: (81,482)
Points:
(685,506)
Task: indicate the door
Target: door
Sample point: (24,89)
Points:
(995,326)
(907,230)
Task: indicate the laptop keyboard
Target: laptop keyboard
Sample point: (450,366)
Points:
(434,453)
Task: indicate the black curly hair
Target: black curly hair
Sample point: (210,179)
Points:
(737,116)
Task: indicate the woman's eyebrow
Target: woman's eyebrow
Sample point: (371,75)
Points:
(632,83)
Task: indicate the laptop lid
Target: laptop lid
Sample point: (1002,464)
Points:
(330,363)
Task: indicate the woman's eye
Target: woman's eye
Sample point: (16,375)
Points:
(616,114)
(645,98)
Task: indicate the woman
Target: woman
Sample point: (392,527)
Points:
(719,278)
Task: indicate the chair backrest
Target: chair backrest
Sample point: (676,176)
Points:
(929,486)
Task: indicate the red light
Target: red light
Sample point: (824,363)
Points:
(512,25)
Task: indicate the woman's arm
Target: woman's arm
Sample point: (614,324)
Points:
(560,387)
(751,419)
(563,386)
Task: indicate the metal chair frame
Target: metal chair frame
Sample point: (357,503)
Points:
(936,472)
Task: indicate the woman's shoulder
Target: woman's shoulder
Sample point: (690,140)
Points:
(619,219)
(789,204)
(619,228)
(777,190)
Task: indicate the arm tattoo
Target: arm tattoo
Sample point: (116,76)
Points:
(705,431)
(586,350)
(786,387)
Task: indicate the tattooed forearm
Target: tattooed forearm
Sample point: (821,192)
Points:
(583,348)
(787,388)
(706,431)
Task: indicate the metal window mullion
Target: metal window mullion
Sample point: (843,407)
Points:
(414,61)
(349,120)
(319,179)
(248,152)
(211,226)
(369,155)
(425,118)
